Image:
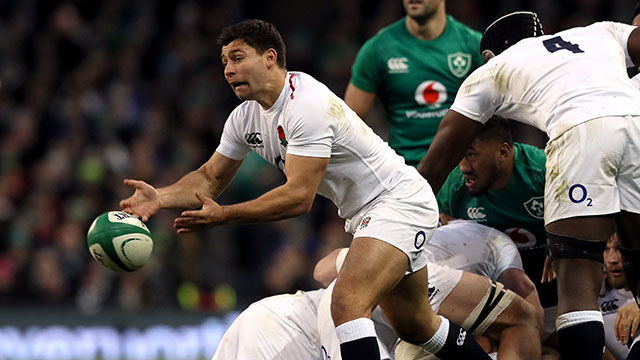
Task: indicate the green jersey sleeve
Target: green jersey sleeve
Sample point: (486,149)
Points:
(365,73)
(447,191)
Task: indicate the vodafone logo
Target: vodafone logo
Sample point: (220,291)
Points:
(431,93)
(521,237)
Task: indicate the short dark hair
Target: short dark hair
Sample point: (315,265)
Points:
(258,34)
(509,29)
(496,128)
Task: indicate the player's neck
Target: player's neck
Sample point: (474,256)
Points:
(272,88)
(428,29)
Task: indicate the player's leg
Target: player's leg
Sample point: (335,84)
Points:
(412,317)
(374,272)
(371,268)
(489,310)
(581,194)
(576,246)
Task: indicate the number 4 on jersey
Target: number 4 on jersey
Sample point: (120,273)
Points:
(557,43)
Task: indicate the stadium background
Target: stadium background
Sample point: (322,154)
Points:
(96,91)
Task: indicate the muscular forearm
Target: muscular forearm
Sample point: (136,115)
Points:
(280,203)
(180,195)
(452,140)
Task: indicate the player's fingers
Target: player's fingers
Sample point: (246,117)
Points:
(191,214)
(132,183)
(634,325)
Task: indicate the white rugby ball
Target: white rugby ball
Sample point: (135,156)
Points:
(119,241)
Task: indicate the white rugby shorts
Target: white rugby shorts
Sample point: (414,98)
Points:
(442,280)
(593,169)
(404,217)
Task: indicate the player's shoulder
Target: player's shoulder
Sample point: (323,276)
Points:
(389,34)
(454,182)
(532,154)
(308,97)
(392,30)
(305,90)
(463,29)
(529,162)
(243,110)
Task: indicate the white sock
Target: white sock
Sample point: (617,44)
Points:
(577,317)
(355,329)
(438,339)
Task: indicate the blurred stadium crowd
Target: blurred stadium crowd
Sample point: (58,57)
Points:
(96,91)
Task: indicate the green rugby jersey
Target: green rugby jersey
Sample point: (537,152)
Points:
(416,80)
(518,210)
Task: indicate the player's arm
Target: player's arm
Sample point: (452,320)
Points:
(455,134)
(209,180)
(359,100)
(293,198)
(517,281)
(326,270)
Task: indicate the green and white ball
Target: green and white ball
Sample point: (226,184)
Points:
(119,241)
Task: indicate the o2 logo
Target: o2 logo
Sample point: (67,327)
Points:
(578,194)
(325,354)
(420,239)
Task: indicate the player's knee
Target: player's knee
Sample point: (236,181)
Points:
(345,306)
(529,315)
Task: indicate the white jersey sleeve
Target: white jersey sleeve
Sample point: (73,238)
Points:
(477,97)
(231,142)
(621,32)
(311,132)
(636,81)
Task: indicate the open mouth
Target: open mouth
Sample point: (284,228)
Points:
(616,273)
(469,181)
(237,84)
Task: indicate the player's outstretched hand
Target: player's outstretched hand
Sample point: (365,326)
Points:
(143,203)
(211,214)
(627,321)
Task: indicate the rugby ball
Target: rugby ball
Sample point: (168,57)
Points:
(119,241)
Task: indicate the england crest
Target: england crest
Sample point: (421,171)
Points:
(535,207)
(459,63)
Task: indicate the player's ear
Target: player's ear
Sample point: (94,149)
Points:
(270,58)
(487,55)
(504,151)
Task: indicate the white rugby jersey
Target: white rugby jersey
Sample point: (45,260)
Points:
(472,247)
(308,119)
(555,82)
(609,304)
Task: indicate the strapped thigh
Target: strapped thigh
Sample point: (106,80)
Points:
(494,302)
(565,247)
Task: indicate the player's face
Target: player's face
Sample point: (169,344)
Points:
(479,166)
(613,264)
(244,69)
(421,9)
